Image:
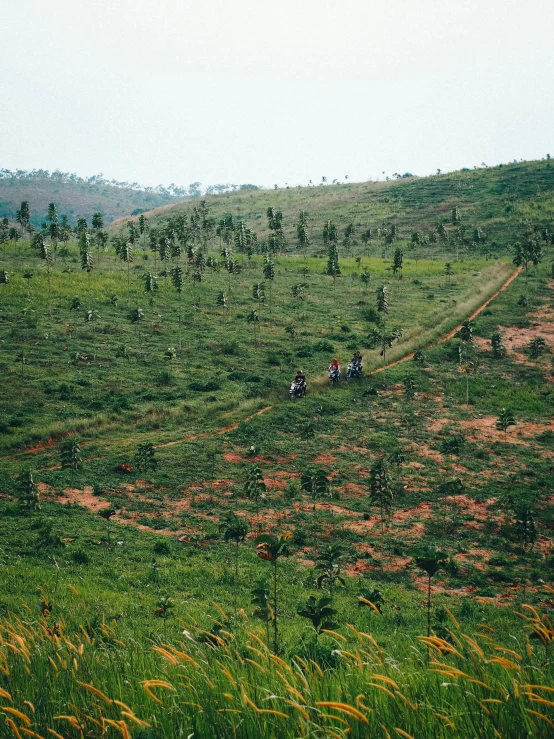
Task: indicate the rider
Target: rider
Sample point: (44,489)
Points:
(334,367)
(356,360)
(300,379)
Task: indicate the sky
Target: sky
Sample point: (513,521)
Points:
(250,91)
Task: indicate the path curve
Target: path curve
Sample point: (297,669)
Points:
(232,427)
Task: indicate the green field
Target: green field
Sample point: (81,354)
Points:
(85,620)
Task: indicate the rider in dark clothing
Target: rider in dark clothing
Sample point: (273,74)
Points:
(300,378)
(356,360)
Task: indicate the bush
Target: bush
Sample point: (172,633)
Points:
(80,557)
(324,347)
(205,387)
(231,348)
(299,538)
(370,314)
(162,548)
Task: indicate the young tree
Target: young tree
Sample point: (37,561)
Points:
(176,274)
(150,285)
(255,487)
(366,278)
(302,231)
(258,293)
(29,497)
(143,227)
(498,346)
(126,255)
(46,255)
(466,332)
(315,483)
(261,599)
(254,319)
(430,560)
(145,458)
(97,221)
(505,420)
(234,530)
(349,233)
(319,612)
(164,605)
(106,514)
(333,266)
(277,241)
(87,261)
(23,217)
(410,388)
(448,272)
(380,337)
(380,492)
(269,274)
(71,455)
(398,262)
(530,251)
(271,549)
(330,234)
(328,563)
(537,346)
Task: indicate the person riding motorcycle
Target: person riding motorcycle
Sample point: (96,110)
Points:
(356,360)
(334,371)
(334,366)
(300,379)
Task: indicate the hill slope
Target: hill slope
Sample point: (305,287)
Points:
(498,200)
(74,196)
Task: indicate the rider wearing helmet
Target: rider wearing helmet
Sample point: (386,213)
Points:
(300,379)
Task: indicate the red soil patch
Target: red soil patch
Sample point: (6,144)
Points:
(422,511)
(438,424)
(424,450)
(84,498)
(477,509)
(232,457)
(484,429)
(354,489)
(325,458)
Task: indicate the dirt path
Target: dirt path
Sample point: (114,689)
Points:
(217,432)
(232,427)
(451,334)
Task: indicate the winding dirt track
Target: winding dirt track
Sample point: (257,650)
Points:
(232,427)
(451,334)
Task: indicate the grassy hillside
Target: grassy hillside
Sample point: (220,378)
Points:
(167,413)
(74,196)
(498,200)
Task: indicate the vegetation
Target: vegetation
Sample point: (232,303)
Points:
(187,551)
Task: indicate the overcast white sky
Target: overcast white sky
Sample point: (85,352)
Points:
(239,91)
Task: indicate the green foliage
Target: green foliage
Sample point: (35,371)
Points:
(318,612)
(71,457)
(145,458)
(505,420)
(29,494)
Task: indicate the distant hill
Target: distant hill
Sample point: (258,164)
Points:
(499,200)
(79,197)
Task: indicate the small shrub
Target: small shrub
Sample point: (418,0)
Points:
(205,387)
(231,348)
(80,557)
(162,548)
(323,346)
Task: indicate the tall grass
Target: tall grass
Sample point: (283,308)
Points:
(87,681)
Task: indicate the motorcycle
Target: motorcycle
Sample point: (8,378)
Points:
(297,390)
(334,377)
(353,371)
